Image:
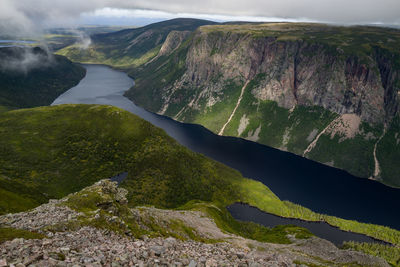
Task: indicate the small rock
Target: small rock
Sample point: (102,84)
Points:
(145,254)
(256,264)
(192,263)
(158,250)
(3,263)
(65,250)
(170,240)
(17,241)
(138,244)
(47,242)
(240,255)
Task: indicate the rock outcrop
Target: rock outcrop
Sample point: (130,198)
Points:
(173,41)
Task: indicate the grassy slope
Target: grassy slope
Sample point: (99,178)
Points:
(130,47)
(389,253)
(11,233)
(59,38)
(388,153)
(52,151)
(38,86)
(16,196)
(215,116)
(4,108)
(342,153)
(73,146)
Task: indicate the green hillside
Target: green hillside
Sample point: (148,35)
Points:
(129,47)
(49,152)
(31,77)
(58,38)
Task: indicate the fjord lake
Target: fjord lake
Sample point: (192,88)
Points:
(318,187)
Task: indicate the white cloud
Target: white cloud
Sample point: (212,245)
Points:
(339,11)
(26,15)
(108,12)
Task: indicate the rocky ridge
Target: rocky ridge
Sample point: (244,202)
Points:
(94,227)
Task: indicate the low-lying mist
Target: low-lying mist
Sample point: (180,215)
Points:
(25,59)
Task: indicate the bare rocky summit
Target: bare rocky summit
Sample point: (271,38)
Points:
(93,247)
(76,234)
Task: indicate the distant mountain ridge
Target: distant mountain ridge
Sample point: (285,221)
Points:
(130,47)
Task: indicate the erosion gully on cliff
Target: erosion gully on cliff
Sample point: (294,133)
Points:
(221,132)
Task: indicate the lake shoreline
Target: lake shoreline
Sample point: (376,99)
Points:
(294,220)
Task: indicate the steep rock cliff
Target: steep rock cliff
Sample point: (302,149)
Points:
(283,85)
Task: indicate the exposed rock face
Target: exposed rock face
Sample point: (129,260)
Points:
(173,41)
(296,73)
(73,241)
(390,82)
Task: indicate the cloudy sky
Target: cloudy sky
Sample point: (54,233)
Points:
(33,15)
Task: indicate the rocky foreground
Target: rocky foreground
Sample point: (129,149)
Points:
(76,235)
(92,247)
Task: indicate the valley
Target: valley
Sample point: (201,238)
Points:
(300,79)
(67,147)
(297,85)
(213,131)
(358,197)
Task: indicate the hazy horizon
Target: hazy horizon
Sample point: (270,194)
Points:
(26,16)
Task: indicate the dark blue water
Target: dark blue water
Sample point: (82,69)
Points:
(119,177)
(17,41)
(243,212)
(321,188)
